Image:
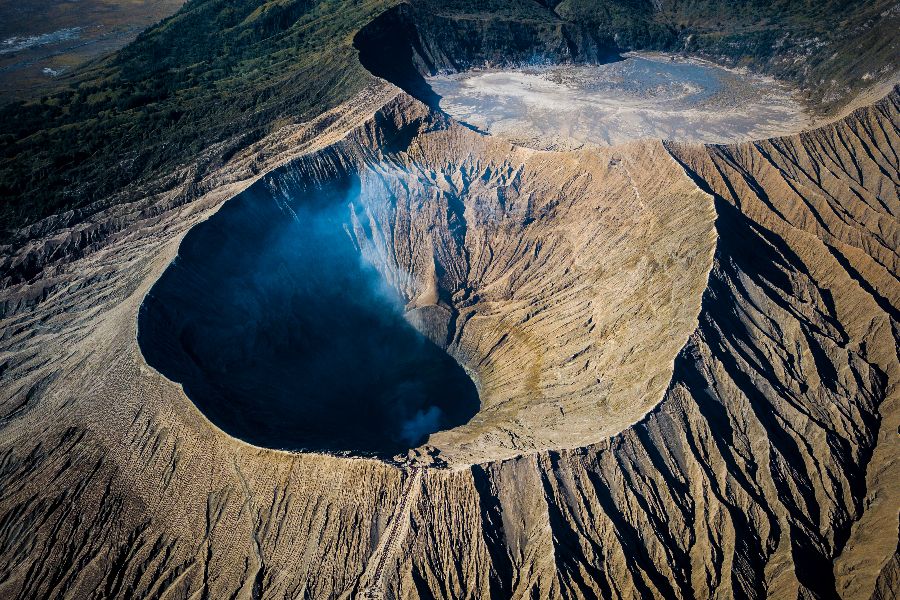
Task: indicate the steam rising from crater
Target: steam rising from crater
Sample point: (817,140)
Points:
(541,275)
(285,336)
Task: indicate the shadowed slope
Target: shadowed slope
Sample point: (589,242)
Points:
(285,337)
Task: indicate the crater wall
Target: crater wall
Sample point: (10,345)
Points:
(408,42)
(766,470)
(564,283)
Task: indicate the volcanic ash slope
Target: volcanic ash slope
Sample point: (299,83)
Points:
(746,296)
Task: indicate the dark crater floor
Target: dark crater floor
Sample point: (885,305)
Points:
(283,336)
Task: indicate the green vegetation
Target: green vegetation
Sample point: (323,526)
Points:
(219,70)
(820,44)
(226,71)
(102,27)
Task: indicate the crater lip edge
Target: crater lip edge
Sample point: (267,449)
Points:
(348,287)
(427,452)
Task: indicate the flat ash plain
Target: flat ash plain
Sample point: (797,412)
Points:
(642,96)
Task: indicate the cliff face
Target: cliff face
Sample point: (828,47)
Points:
(744,297)
(833,51)
(424,37)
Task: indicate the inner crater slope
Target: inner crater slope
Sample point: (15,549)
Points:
(563,283)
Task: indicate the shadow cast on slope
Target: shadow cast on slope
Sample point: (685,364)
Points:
(283,336)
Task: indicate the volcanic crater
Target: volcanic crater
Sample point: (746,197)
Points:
(320,309)
(505,259)
(654,368)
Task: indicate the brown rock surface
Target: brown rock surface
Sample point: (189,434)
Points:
(687,358)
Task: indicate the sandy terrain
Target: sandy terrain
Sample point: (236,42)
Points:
(643,96)
(686,358)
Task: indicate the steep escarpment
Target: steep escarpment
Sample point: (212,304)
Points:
(412,40)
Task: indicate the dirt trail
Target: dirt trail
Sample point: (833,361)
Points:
(372,579)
